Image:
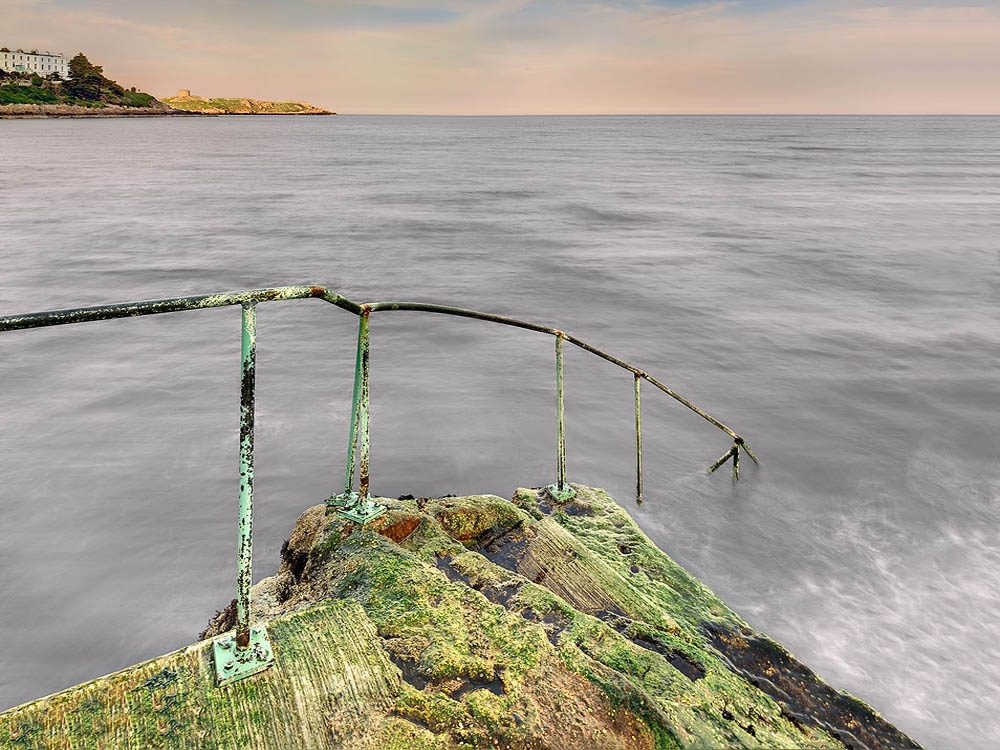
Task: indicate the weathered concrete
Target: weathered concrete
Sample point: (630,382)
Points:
(472,622)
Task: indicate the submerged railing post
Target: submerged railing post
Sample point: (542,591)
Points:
(734,453)
(638,443)
(358,506)
(561,491)
(249,651)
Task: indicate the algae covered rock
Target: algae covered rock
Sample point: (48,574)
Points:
(473,622)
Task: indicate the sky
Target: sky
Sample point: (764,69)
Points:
(540,56)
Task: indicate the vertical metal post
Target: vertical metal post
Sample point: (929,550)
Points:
(247,384)
(250,651)
(562,416)
(358,506)
(736,462)
(355,403)
(560,490)
(363,354)
(638,443)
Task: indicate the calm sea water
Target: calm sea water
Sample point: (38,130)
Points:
(829,287)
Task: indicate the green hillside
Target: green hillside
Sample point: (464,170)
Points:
(86,87)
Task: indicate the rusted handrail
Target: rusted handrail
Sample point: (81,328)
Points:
(250,651)
(173,304)
(425,307)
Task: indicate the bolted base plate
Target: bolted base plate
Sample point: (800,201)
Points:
(354,508)
(561,495)
(341,501)
(233,663)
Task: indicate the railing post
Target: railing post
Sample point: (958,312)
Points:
(356,402)
(363,413)
(249,651)
(561,491)
(248,379)
(638,443)
(358,506)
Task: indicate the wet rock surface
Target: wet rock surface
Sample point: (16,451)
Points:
(475,622)
(803,695)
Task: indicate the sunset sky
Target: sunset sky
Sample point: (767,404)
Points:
(539,56)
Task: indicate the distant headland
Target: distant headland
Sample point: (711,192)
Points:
(34,84)
(226,106)
(37,84)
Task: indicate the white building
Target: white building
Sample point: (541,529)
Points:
(38,63)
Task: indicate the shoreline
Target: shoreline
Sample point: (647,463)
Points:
(58,111)
(53,111)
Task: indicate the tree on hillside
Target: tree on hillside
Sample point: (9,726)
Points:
(81,67)
(87,81)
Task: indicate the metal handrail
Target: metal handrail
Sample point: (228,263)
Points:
(250,651)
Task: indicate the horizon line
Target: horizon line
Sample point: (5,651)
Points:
(670,114)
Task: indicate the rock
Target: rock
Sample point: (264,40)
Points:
(473,622)
(184,101)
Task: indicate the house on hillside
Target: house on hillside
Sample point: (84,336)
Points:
(35,62)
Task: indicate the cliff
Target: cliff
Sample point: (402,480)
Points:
(221,106)
(472,622)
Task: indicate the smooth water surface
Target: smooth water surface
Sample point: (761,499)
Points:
(829,287)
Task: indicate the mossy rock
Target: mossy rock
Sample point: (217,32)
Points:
(469,622)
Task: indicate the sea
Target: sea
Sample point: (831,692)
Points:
(828,287)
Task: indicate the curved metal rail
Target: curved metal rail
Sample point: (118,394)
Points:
(249,651)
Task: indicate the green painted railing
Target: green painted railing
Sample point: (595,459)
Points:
(249,651)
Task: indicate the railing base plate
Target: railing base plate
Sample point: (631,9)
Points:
(233,663)
(354,508)
(561,495)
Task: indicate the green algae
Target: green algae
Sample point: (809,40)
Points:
(463,622)
(328,664)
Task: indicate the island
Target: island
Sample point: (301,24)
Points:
(222,106)
(471,622)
